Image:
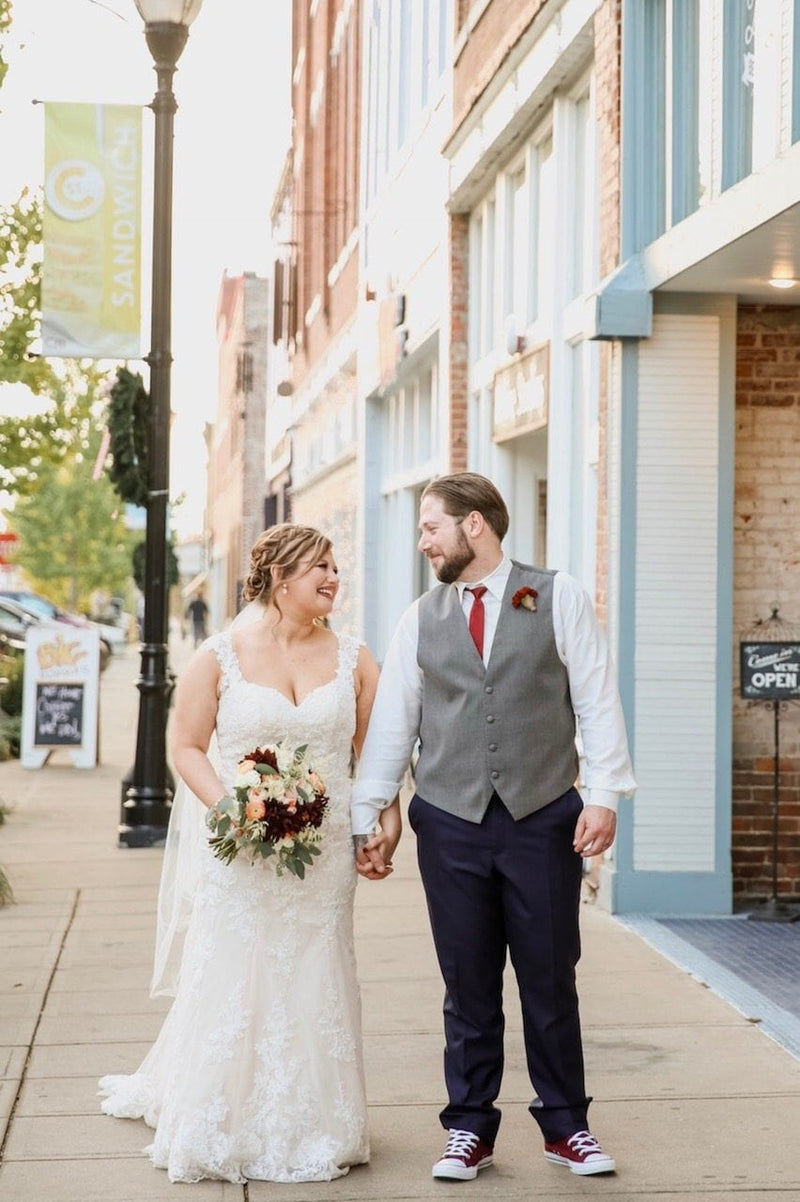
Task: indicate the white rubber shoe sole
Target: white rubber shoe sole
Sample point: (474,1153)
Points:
(597,1164)
(454,1170)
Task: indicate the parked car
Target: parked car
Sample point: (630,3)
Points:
(39,609)
(14,623)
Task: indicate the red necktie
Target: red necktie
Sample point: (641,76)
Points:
(477,617)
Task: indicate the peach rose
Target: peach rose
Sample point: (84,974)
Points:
(246,766)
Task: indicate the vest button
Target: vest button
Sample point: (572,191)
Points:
(490,717)
(494,775)
(489,689)
(493,747)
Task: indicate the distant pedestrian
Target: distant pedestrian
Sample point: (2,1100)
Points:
(197,610)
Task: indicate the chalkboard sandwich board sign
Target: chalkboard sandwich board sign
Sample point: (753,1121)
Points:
(60,694)
(770,671)
(59,715)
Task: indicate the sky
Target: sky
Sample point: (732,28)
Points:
(232,131)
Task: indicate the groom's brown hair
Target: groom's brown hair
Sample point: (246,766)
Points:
(466,492)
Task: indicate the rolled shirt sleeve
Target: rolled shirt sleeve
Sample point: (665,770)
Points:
(393,727)
(583,649)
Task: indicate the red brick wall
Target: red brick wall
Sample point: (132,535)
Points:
(499,27)
(766,571)
(459,346)
(325,188)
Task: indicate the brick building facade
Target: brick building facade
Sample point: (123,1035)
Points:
(321,270)
(558,272)
(766,573)
(235,507)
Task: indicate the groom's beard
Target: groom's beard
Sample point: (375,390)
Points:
(453,565)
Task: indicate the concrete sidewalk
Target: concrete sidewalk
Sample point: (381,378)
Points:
(692,1099)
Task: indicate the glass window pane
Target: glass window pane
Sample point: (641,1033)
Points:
(738,72)
(409,457)
(424,417)
(581,239)
(487,331)
(685,108)
(545,221)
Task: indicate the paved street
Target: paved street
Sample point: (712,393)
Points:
(696,1102)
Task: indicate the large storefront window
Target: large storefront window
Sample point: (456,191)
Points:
(402,450)
(530,425)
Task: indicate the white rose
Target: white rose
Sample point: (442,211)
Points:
(273,787)
(248,780)
(285,757)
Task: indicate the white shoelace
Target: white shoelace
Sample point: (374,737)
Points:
(460,1143)
(584,1143)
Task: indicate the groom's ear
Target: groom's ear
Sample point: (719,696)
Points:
(474,523)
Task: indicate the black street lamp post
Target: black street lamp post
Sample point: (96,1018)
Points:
(148,787)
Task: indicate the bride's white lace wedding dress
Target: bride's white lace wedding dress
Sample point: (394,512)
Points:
(257,1072)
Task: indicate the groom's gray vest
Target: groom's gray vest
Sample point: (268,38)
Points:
(508,728)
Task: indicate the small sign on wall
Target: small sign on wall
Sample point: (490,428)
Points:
(522,395)
(770,671)
(61,694)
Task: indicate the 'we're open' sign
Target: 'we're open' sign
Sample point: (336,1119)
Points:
(770,671)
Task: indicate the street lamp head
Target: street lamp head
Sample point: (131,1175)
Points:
(168,12)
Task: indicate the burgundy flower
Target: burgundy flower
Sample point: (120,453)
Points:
(525,597)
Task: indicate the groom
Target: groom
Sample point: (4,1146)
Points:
(489,670)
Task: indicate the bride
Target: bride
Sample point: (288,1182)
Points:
(257,1072)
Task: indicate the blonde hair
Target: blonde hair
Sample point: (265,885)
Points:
(281,548)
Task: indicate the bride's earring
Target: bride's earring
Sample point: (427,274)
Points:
(284,588)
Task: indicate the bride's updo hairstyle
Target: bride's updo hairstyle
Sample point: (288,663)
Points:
(277,554)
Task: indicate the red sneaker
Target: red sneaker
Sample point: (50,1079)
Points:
(581,1153)
(464,1155)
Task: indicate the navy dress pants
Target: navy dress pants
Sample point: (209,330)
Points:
(499,885)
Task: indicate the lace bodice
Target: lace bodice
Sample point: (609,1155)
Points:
(250,714)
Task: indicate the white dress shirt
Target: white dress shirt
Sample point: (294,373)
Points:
(581,646)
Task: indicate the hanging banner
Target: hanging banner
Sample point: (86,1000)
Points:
(91,285)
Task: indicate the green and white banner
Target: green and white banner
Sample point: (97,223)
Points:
(91,274)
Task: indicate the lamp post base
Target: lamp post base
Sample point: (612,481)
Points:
(774,911)
(145,812)
(142,836)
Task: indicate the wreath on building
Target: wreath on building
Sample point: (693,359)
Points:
(127,418)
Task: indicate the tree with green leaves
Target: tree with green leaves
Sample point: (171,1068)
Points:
(69,389)
(73,537)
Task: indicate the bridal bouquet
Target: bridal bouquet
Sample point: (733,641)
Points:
(277,808)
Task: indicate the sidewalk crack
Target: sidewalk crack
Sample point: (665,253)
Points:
(45,996)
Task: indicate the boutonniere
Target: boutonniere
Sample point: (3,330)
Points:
(525,597)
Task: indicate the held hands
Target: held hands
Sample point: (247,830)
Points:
(374,852)
(594,830)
